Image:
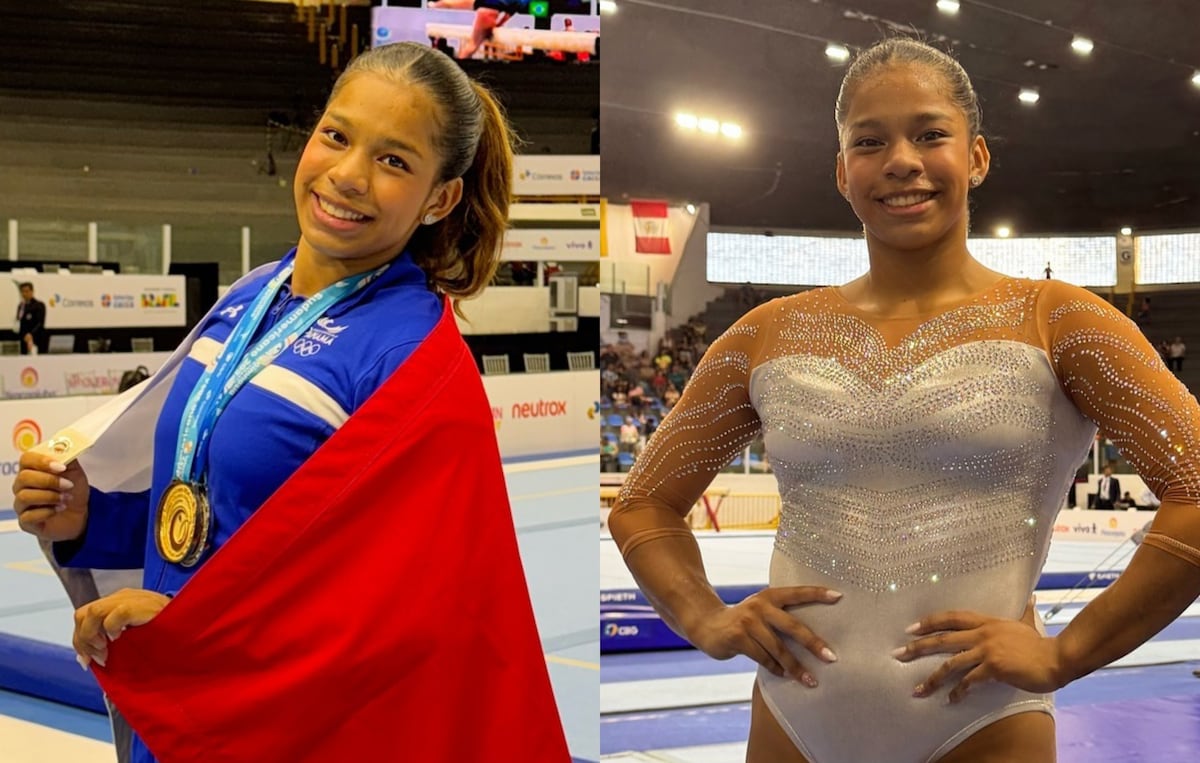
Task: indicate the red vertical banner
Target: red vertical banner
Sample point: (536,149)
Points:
(650,227)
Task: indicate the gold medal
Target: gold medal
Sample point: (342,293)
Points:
(183,524)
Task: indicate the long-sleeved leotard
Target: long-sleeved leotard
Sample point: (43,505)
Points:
(921,463)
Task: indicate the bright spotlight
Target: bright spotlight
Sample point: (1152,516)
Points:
(837,52)
(687,121)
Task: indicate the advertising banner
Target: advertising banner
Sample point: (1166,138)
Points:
(78,300)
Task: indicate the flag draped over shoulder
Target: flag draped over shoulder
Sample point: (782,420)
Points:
(651,231)
(374,608)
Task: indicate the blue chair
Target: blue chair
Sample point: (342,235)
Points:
(615,420)
(625,460)
(610,436)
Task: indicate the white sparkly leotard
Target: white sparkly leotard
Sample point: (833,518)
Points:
(921,463)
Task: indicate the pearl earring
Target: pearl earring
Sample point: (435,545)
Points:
(429,219)
(975,181)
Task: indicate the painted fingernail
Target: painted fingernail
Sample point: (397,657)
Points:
(99,661)
(808,681)
(56,467)
(913,628)
(65,498)
(919,690)
(900,652)
(828,655)
(65,484)
(83,661)
(833,595)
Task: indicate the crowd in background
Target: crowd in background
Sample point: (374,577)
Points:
(638,389)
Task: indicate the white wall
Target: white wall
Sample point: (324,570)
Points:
(589,301)
(507,310)
(690,289)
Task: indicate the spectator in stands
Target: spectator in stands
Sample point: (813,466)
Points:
(645,367)
(637,396)
(671,397)
(402,197)
(608,455)
(649,425)
(620,394)
(663,359)
(659,382)
(1164,352)
(1143,314)
(885,555)
(1175,353)
(629,434)
(609,354)
(608,379)
(678,378)
(624,347)
(31,322)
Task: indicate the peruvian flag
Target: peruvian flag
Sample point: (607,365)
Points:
(650,227)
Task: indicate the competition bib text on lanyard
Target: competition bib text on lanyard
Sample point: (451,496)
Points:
(183,522)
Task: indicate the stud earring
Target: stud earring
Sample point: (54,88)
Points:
(429,219)
(975,181)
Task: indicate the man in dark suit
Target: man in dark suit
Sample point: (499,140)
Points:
(1108,491)
(31,320)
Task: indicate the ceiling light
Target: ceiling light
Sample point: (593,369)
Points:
(1196,78)
(709,125)
(691,208)
(1127,231)
(1003,231)
(1028,95)
(730,130)
(837,52)
(948,6)
(687,121)
(1082,45)
(608,6)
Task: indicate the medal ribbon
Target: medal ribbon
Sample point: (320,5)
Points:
(234,365)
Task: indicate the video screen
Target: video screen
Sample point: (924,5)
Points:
(567,31)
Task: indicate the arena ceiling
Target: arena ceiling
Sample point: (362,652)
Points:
(1114,139)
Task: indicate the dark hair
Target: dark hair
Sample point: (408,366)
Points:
(461,252)
(904,50)
(23,284)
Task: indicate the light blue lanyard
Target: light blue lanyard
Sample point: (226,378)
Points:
(230,371)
